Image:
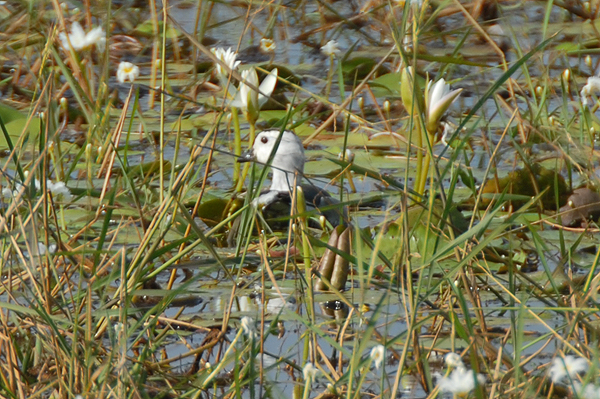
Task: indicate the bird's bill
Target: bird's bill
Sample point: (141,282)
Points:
(248,156)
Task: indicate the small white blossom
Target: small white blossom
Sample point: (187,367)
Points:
(80,40)
(377,355)
(453,360)
(267,45)
(248,327)
(119,328)
(309,372)
(414,3)
(59,191)
(42,249)
(36,183)
(448,132)
(347,155)
(331,49)
(407,42)
(127,72)
(275,305)
(7,193)
(568,366)
(591,88)
(590,391)
(461,381)
(265,359)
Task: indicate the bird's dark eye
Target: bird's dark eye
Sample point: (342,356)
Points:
(264,140)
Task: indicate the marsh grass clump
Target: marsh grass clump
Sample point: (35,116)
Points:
(119,129)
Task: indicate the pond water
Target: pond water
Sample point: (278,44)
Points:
(166,290)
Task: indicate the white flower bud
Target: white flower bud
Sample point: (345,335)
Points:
(386,106)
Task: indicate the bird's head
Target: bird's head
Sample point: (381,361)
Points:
(289,154)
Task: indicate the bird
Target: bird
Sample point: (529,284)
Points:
(284,153)
(287,164)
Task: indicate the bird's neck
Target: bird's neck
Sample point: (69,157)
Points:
(283,181)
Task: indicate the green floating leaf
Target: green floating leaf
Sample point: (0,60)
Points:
(19,127)
(9,114)
(360,67)
(146,28)
(467,179)
(521,185)
(148,168)
(386,85)
(211,212)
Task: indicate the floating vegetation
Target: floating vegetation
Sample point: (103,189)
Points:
(454,254)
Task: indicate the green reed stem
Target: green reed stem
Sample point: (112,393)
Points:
(221,365)
(240,183)
(421,173)
(237,143)
(329,76)
(425,163)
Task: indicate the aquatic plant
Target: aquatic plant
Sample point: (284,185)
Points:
(78,39)
(121,273)
(251,96)
(127,72)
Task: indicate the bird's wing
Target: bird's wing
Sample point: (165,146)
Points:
(319,199)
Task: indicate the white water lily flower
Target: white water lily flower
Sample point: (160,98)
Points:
(331,49)
(227,57)
(461,381)
(377,355)
(127,72)
(568,366)
(80,40)
(438,99)
(267,45)
(248,327)
(309,372)
(248,99)
(591,88)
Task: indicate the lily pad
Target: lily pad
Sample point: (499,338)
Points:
(359,67)
(527,183)
(9,114)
